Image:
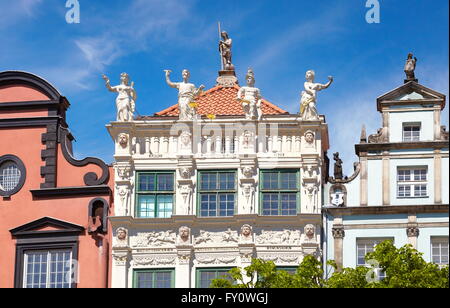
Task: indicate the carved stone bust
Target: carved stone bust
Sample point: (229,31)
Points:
(310,231)
(184,234)
(246,233)
(309,138)
(123,140)
(121,234)
(185,139)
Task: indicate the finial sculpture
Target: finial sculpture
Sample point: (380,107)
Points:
(410,67)
(250,98)
(308,110)
(187,93)
(338,175)
(125,101)
(225,45)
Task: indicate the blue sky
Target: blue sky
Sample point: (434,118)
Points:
(280,40)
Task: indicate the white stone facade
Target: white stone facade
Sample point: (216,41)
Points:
(185,148)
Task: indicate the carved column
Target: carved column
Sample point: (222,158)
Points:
(120,264)
(184,260)
(185,187)
(412,231)
(338,235)
(246,252)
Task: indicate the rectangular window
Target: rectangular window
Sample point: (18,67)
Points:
(47,269)
(364,246)
(205,276)
(411,132)
(439,250)
(280,192)
(412,182)
(217,193)
(158,278)
(154,194)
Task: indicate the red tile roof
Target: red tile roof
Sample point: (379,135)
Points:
(221,100)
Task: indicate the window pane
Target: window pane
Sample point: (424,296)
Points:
(226,204)
(270,180)
(165,205)
(55,263)
(206,277)
(208,205)
(144,280)
(226,181)
(9,176)
(165,182)
(147,182)
(288,204)
(288,180)
(146,206)
(270,204)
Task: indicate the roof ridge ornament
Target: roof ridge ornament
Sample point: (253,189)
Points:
(227,75)
(410,67)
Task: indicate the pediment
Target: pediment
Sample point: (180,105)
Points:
(411,92)
(46,225)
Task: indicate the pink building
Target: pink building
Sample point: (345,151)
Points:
(53,207)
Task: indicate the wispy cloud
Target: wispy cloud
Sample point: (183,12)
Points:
(14,12)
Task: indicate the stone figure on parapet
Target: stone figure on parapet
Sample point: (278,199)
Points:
(338,173)
(410,67)
(250,98)
(125,101)
(308,110)
(187,93)
(225,45)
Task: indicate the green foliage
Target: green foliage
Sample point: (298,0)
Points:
(404,268)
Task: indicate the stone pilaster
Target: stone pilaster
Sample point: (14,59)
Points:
(184,257)
(338,235)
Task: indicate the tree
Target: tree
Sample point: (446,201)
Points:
(264,274)
(403,268)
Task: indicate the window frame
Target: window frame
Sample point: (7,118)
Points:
(156,193)
(23,174)
(367,240)
(262,191)
(200,191)
(208,269)
(412,183)
(48,252)
(411,125)
(440,240)
(154,270)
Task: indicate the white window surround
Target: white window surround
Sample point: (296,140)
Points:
(412,182)
(439,250)
(366,245)
(411,132)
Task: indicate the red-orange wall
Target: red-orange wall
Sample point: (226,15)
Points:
(22,208)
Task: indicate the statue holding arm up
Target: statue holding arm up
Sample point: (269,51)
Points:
(126,98)
(187,93)
(308,110)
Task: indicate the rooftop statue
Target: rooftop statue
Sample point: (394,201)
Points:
(410,67)
(308,100)
(187,93)
(251,100)
(125,101)
(225,45)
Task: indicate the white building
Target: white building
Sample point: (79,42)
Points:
(400,187)
(196,197)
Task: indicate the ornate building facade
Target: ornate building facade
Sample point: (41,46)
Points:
(206,185)
(54,231)
(399,191)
